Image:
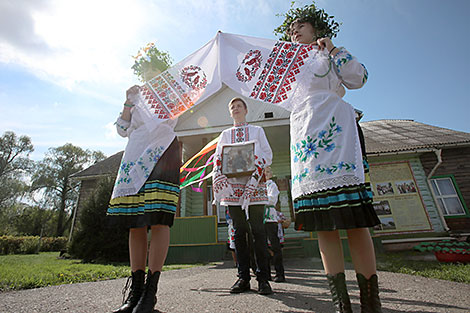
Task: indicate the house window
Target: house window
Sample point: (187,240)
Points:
(447,196)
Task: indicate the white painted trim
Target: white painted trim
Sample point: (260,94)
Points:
(403,240)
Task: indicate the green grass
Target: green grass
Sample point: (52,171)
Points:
(401,263)
(46,269)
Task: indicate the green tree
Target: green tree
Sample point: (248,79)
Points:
(96,239)
(14,164)
(51,179)
(35,221)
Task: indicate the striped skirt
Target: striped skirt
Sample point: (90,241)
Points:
(338,208)
(156,201)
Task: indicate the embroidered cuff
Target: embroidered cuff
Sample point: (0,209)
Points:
(122,124)
(341,58)
(366,74)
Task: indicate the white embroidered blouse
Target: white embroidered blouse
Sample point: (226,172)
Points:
(247,190)
(271,214)
(325,147)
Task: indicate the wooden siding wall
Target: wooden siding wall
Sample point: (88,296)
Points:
(194,230)
(455,162)
(420,177)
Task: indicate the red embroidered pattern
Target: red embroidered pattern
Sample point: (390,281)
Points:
(279,71)
(166,97)
(194,77)
(155,104)
(250,65)
(258,195)
(219,183)
(240,134)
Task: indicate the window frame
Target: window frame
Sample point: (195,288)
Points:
(457,193)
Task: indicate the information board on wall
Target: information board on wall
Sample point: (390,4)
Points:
(397,200)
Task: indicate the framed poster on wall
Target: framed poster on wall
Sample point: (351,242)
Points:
(397,200)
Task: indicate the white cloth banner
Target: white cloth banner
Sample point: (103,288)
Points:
(258,68)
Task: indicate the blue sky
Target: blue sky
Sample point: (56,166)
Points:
(65,65)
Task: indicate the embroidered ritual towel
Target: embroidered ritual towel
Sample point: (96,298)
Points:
(282,73)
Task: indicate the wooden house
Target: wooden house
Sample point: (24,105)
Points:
(420,178)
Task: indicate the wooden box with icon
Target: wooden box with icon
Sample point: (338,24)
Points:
(238,160)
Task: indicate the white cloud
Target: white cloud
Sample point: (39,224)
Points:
(70,42)
(91,42)
(110,131)
(17,25)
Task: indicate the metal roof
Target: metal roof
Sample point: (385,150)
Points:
(385,136)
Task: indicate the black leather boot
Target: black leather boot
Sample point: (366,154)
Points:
(136,290)
(369,288)
(339,292)
(264,288)
(149,297)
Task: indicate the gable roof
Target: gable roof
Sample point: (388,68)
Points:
(212,115)
(385,136)
(107,167)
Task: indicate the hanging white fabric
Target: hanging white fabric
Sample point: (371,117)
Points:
(281,73)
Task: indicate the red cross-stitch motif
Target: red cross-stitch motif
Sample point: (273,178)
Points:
(279,72)
(249,66)
(194,77)
(165,96)
(154,103)
(240,134)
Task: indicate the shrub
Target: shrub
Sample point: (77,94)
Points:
(49,244)
(30,244)
(95,240)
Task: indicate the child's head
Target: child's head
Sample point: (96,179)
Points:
(238,110)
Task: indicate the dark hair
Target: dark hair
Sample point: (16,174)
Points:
(238,99)
(324,25)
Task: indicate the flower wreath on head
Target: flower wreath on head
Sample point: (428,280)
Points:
(150,56)
(324,24)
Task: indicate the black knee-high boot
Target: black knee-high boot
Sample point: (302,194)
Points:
(136,290)
(339,292)
(148,299)
(369,288)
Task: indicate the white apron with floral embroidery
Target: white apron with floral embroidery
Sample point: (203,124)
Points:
(325,147)
(148,140)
